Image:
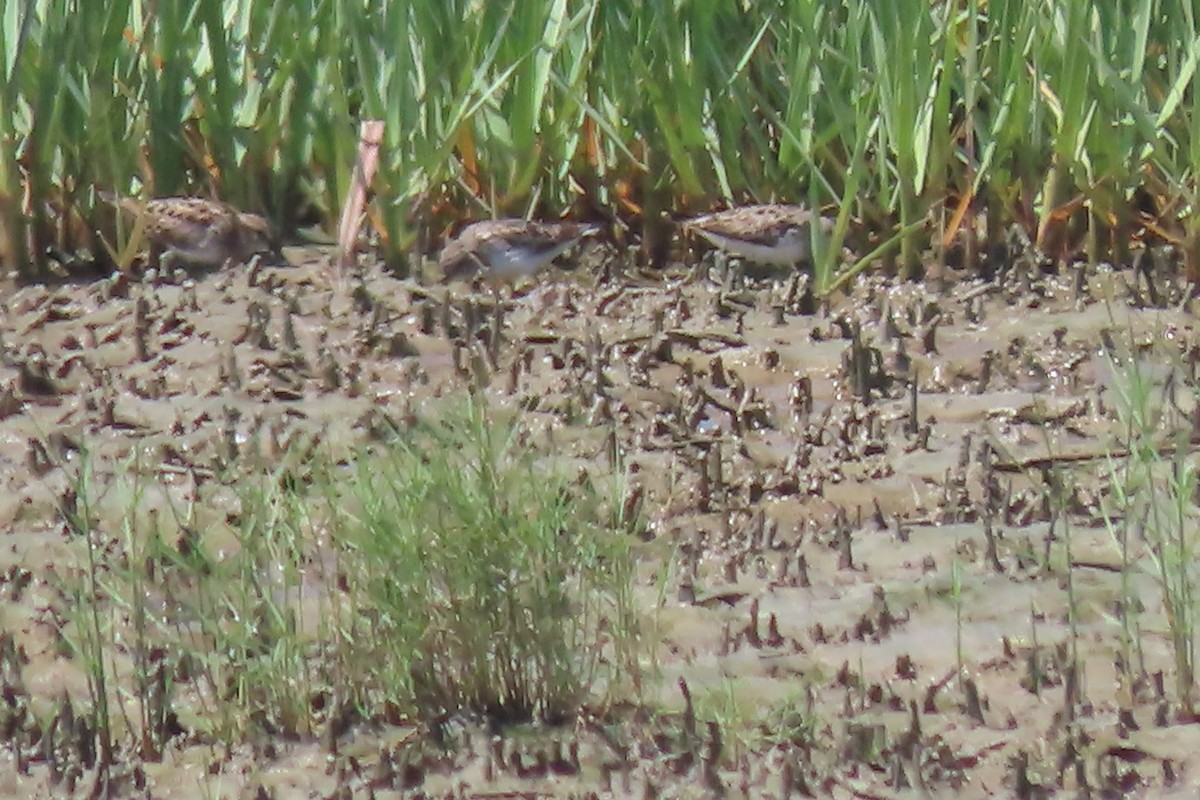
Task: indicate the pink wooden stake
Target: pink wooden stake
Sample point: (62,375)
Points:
(370,134)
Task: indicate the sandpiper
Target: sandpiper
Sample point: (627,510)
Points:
(506,250)
(770,235)
(196,232)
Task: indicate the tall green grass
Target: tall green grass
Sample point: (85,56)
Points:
(1052,114)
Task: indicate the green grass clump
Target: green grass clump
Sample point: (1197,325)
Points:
(495,583)
(449,571)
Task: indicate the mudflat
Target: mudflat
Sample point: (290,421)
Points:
(881,544)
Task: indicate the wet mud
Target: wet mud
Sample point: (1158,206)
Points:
(877,556)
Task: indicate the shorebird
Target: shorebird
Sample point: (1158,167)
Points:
(770,235)
(196,232)
(506,250)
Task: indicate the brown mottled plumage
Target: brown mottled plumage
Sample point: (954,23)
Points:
(197,232)
(505,250)
(775,235)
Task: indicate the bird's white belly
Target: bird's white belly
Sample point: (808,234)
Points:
(785,253)
(510,263)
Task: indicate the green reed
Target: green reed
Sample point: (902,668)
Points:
(1054,115)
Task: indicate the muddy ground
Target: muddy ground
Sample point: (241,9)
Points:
(874,511)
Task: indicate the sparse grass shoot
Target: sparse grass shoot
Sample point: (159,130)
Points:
(450,571)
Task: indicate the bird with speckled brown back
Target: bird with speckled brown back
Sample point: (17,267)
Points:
(769,235)
(502,251)
(194,232)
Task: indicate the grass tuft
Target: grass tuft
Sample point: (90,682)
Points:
(494,582)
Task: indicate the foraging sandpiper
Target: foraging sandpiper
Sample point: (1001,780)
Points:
(770,235)
(506,250)
(196,232)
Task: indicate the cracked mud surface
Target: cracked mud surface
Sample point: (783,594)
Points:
(859,601)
